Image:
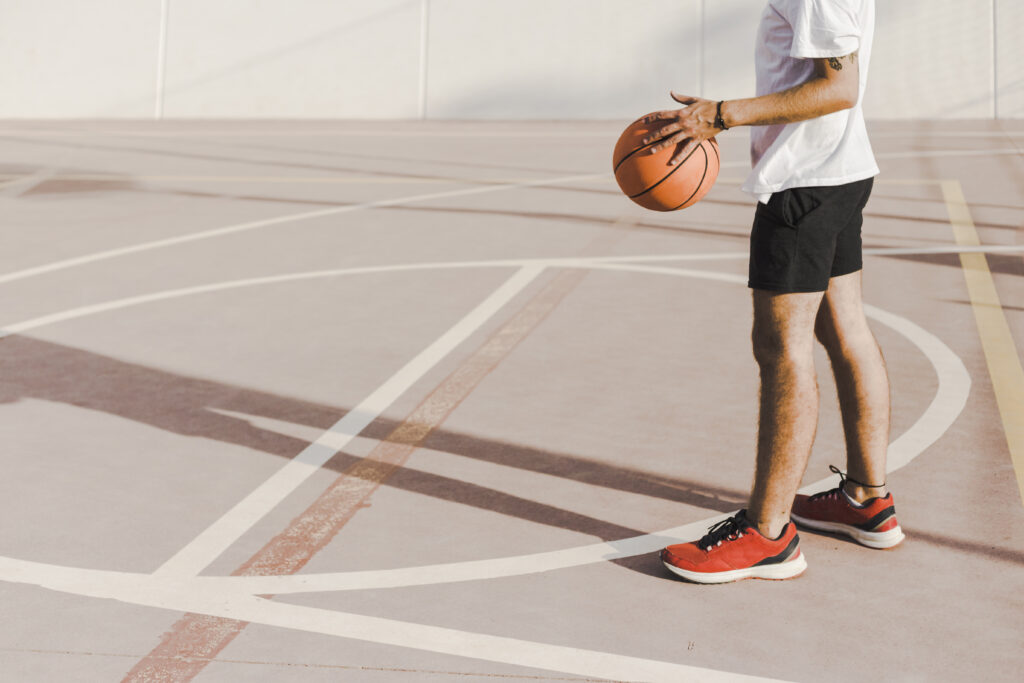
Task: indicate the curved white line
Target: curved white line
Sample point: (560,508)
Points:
(219,536)
(186,595)
(555,262)
(941,153)
(230,597)
(320,213)
(289,218)
(236,597)
(950,398)
(117,304)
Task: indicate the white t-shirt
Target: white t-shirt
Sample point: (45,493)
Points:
(829,150)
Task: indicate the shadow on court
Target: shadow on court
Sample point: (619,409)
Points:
(38,369)
(33,368)
(1006,264)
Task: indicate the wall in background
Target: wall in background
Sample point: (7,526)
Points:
(488,59)
(65,58)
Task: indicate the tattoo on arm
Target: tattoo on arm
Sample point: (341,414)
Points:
(836,64)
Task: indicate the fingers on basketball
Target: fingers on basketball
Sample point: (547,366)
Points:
(651,179)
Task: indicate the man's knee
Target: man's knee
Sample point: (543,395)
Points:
(850,346)
(767,348)
(843,333)
(773,348)
(783,327)
(828,336)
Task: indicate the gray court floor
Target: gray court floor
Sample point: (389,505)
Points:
(420,401)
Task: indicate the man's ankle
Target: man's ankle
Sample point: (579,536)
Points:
(861,494)
(770,529)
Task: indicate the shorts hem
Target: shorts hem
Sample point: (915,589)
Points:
(785,289)
(794,289)
(845,271)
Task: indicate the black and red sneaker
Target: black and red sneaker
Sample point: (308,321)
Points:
(871,523)
(734,549)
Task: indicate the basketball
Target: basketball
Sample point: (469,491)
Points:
(648,179)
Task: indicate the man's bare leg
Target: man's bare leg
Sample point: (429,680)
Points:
(861,381)
(783,339)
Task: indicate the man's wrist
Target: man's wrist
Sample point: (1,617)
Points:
(719,117)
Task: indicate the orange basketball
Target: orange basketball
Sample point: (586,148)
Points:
(648,179)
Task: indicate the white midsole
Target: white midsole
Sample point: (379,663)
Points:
(872,539)
(783,570)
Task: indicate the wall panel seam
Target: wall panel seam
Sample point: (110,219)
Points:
(995,62)
(161,60)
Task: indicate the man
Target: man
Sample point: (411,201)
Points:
(812,174)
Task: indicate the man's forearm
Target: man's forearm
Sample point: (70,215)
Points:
(811,99)
(834,85)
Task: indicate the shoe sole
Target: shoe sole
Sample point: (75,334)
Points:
(790,569)
(872,539)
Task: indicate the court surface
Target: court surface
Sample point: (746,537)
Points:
(421,401)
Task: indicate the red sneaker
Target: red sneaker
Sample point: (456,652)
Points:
(872,523)
(734,549)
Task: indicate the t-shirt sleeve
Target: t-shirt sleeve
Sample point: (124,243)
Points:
(823,28)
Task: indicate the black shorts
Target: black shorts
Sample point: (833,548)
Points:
(805,235)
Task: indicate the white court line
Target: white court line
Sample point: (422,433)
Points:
(289,218)
(103,307)
(209,544)
(954,383)
(954,134)
(555,262)
(506,650)
(233,597)
(938,153)
(739,255)
(220,602)
(307,215)
(319,213)
(186,596)
(924,251)
(950,396)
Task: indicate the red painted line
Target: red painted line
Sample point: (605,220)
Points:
(196,639)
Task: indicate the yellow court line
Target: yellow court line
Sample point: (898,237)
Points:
(1004,364)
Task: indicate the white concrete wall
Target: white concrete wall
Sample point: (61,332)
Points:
(292,58)
(1009,16)
(536,59)
(933,59)
(60,58)
(730,29)
(559,58)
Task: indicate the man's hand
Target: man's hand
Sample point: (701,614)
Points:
(683,128)
(833,86)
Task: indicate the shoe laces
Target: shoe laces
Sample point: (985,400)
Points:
(727,530)
(843,478)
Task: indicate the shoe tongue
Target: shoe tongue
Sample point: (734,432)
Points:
(741,520)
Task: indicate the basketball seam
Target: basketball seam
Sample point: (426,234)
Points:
(707,162)
(635,150)
(641,147)
(667,175)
